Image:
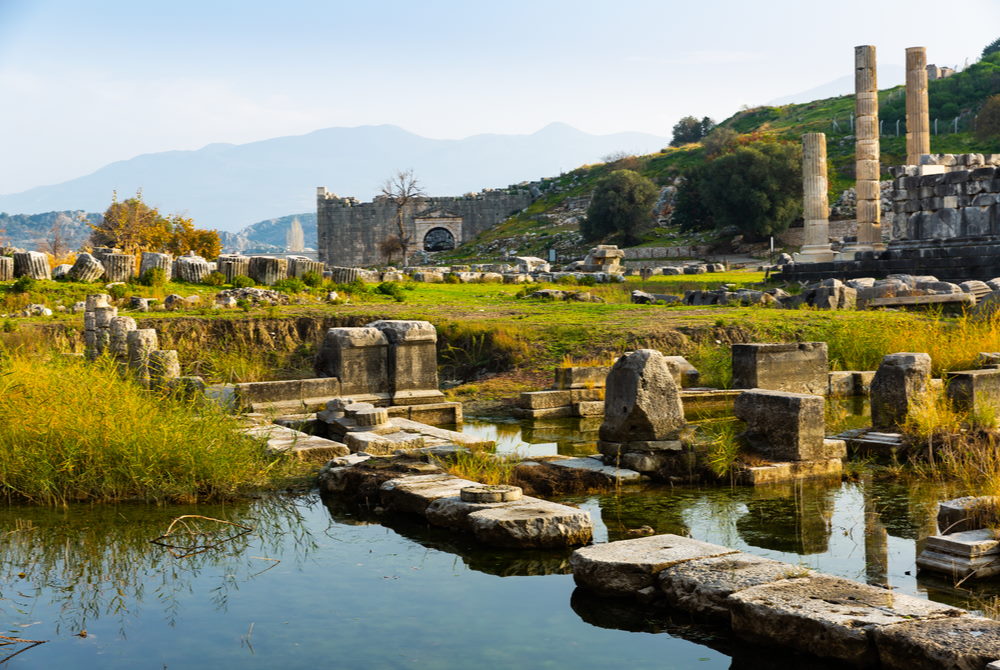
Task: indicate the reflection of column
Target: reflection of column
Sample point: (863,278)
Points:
(815,203)
(793,517)
(918,117)
(866,151)
(876,542)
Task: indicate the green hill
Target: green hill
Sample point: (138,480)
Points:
(954,102)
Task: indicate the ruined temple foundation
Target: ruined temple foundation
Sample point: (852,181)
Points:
(816,208)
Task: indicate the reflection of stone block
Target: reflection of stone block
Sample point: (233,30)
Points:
(796,367)
(356,356)
(783,426)
(411,361)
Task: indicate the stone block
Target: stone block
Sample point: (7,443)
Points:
(415,493)
(900,379)
(535,524)
(544,399)
(703,586)
(382,443)
(959,643)
(626,567)
(685,375)
(783,426)
(577,377)
(962,554)
(968,513)
(642,401)
(411,361)
(975,391)
(164,368)
(358,357)
(118,330)
(796,367)
(840,384)
(825,616)
(588,408)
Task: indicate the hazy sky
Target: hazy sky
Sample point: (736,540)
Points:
(84,83)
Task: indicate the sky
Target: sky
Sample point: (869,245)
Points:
(86,83)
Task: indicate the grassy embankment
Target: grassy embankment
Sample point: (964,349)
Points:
(72,431)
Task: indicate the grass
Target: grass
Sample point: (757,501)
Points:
(482,466)
(71,431)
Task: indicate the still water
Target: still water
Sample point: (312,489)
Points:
(319,584)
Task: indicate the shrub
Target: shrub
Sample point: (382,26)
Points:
(622,203)
(244,304)
(23,284)
(290,285)
(242,281)
(118,291)
(588,280)
(568,279)
(155,277)
(988,120)
(214,279)
(452,278)
(312,279)
(391,289)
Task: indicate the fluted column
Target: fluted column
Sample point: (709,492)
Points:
(918,116)
(866,151)
(815,202)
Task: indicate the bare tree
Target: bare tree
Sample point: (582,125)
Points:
(56,245)
(391,246)
(402,189)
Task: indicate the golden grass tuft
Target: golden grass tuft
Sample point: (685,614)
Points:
(71,431)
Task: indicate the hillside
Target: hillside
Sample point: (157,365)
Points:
(31,231)
(552,221)
(226,187)
(269,236)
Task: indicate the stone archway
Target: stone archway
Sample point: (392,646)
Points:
(439,239)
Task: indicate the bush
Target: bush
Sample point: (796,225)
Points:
(452,278)
(622,203)
(391,289)
(118,291)
(155,277)
(290,285)
(568,279)
(23,284)
(214,279)
(312,279)
(988,120)
(588,280)
(242,281)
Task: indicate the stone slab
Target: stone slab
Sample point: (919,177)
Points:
(703,586)
(588,408)
(957,643)
(825,616)
(536,524)
(774,473)
(282,440)
(372,442)
(415,493)
(623,568)
(621,475)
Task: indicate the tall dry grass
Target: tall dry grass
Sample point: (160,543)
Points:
(71,431)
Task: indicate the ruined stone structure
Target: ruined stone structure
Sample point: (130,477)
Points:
(918,117)
(815,203)
(866,152)
(349,231)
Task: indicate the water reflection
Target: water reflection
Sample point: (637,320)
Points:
(539,437)
(792,518)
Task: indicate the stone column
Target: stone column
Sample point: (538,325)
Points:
(164,368)
(120,327)
(141,344)
(118,267)
(32,264)
(234,266)
(815,202)
(86,269)
(6,268)
(918,116)
(151,259)
(267,271)
(297,267)
(866,152)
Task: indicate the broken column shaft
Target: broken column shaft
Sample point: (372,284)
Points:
(918,117)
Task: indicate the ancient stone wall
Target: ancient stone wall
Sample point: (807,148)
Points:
(349,231)
(947,196)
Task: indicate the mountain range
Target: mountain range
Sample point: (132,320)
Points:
(227,186)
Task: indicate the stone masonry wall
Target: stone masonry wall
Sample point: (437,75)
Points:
(349,231)
(947,196)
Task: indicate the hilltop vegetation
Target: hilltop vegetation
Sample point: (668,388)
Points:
(958,97)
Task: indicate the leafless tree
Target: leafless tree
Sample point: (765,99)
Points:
(56,245)
(402,189)
(391,246)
